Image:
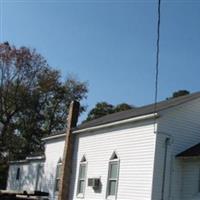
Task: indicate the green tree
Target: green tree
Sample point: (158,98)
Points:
(103,108)
(122,107)
(100,109)
(179,93)
(34,101)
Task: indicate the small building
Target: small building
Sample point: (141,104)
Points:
(131,155)
(26,175)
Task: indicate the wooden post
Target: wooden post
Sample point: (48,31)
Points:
(64,187)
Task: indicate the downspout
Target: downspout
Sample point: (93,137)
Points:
(164,168)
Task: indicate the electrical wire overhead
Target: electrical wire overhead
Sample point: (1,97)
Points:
(157,62)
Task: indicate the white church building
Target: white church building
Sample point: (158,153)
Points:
(124,156)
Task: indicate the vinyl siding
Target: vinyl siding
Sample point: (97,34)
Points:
(53,151)
(182,124)
(190,181)
(140,176)
(135,146)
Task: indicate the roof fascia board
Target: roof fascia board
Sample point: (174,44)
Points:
(134,119)
(25,161)
(53,137)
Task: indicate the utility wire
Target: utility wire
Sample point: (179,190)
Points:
(157,63)
(1,21)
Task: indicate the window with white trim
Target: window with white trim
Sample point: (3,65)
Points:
(58,175)
(113,174)
(82,177)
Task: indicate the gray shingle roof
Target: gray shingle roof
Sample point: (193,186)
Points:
(138,111)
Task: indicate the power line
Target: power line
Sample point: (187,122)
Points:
(157,62)
(1,21)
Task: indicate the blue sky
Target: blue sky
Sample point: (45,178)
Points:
(111,44)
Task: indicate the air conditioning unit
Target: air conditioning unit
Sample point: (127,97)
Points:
(94,182)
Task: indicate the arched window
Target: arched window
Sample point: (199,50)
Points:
(58,174)
(113,174)
(82,177)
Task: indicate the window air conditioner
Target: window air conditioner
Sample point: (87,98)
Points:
(94,182)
